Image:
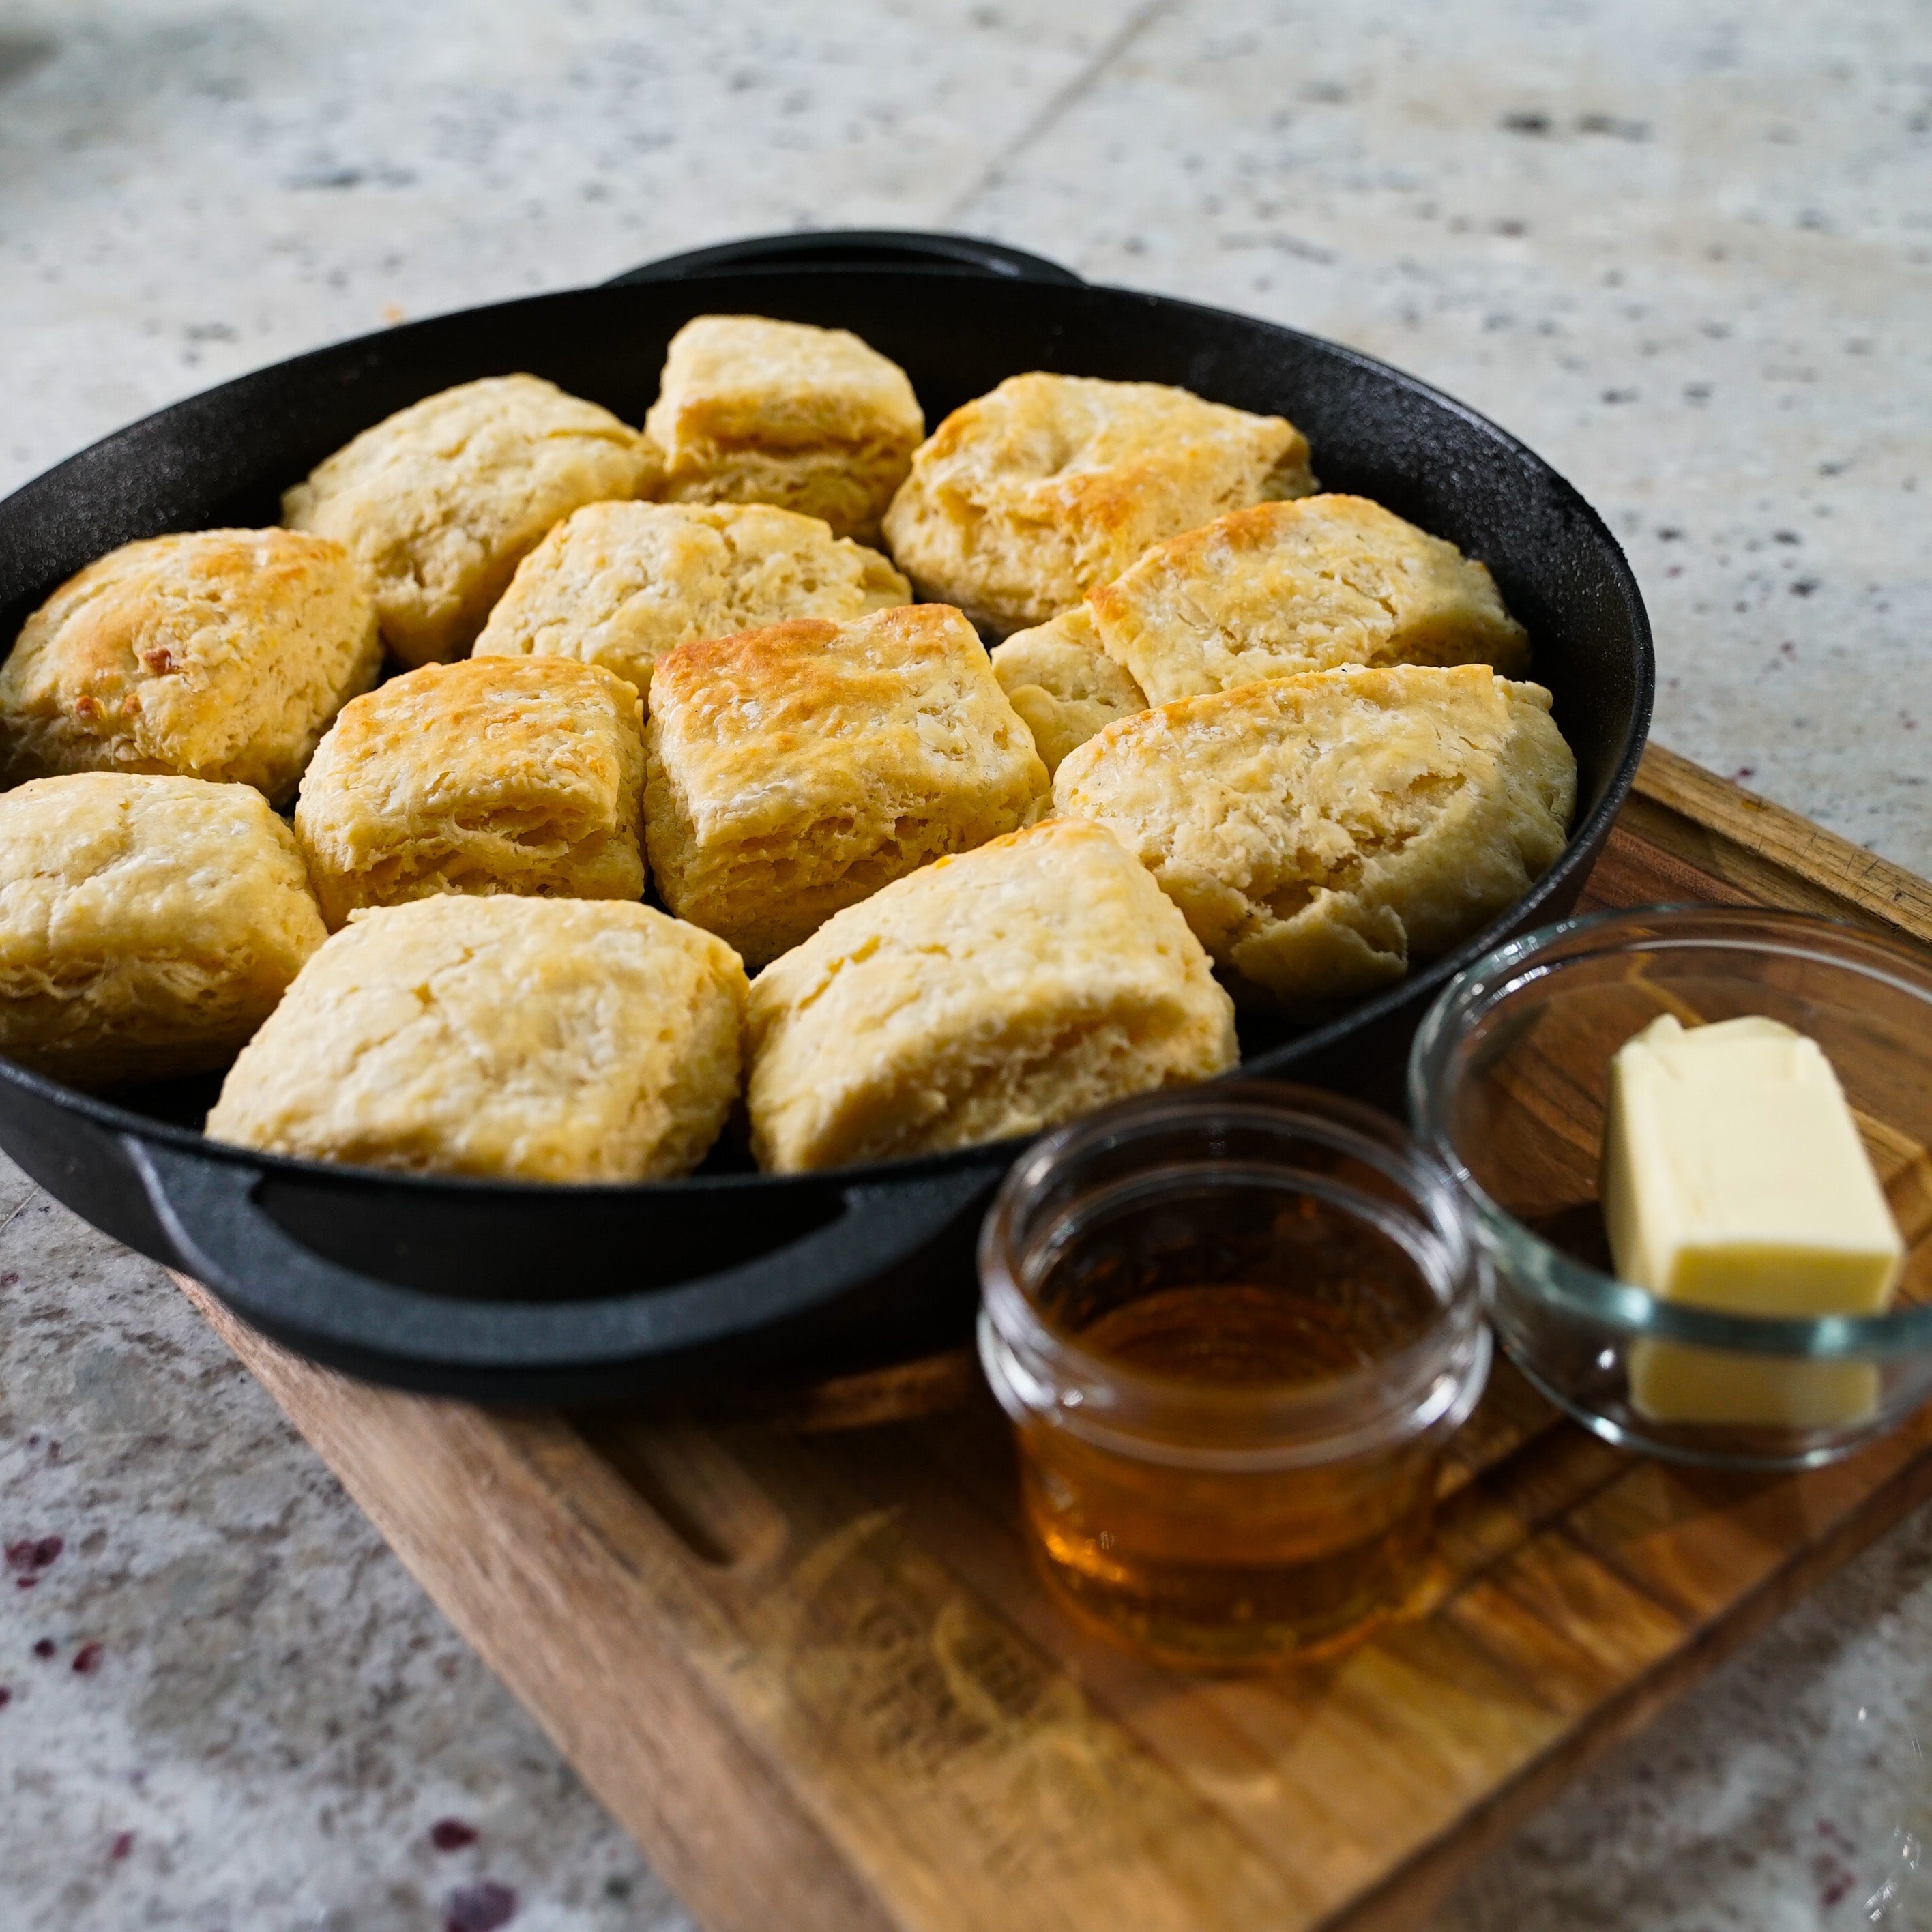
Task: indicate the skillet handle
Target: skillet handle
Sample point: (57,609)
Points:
(207,1207)
(855,248)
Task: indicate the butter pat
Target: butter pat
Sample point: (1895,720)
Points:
(1734,1178)
(1672,1381)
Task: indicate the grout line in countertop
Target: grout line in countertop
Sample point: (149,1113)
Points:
(1109,51)
(18,1207)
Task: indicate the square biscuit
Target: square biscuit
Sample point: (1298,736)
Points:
(1322,832)
(988,995)
(619,584)
(1066,687)
(519,1039)
(496,775)
(1021,502)
(754,411)
(794,771)
(1310,585)
(441,502)
(148,925)
(220,655)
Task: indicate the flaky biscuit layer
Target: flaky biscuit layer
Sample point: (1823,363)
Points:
(793,771)
(496,775)
(515,1039)
(1021,502)
(220,655)
(1066,688)
(1322,832)
(619,584)
(148,925)
(1312,585)
(442,501)
(988,995)
(754,410)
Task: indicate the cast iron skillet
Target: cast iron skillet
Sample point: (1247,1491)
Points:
(514,1292)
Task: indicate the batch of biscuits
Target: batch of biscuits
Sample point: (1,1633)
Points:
(676,817)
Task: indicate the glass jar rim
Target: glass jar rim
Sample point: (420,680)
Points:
(1532,1263)
(1431,1380)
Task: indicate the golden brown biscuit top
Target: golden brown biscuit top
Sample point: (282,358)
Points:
(548,1040)
(1309,585)
(494,430)
(163,639)
(773,722)
(731,381)
(1081,445)
(100,865)
(499,430)
(1247,802)
(929,941)
(1358,736)
(1020,502)
(441,501)
(990,993)
(621,583)
(481,736)
(140,611)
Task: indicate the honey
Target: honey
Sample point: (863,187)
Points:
(1207,1565)
(1232,1378)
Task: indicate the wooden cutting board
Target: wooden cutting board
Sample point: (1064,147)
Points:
(808,1668)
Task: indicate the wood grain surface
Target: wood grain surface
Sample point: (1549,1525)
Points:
(805,1663)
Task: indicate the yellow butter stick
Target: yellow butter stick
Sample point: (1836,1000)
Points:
(1734,1178)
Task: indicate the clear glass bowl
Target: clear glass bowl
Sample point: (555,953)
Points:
(1234,1327)
(1507,1081)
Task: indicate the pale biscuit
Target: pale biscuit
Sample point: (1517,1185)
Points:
(442,501)
(987,996)
(794,771)
(1066,688)
(219,655)
(496,775)
(619,584)
(1019,503)
(755,411)
(148,925)
(510,1039)
(1282,588)
(1321,832)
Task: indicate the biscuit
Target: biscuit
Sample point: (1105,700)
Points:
(441,502)
(619,584)
(754,411)
(219,654)
(519,1040)
(1019,504)
(1322,832)
(496,775)
(1313,585)
(148,925)
(793,771)
(1066,687)
(964,1004)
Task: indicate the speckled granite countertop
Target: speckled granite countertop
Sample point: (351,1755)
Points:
(1684,251)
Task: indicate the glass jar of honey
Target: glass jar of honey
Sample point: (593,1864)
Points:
(1234,1327)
